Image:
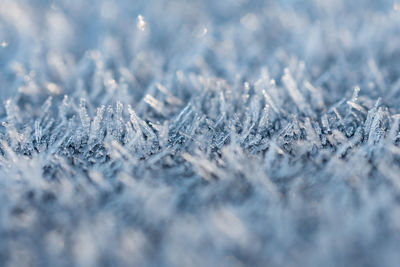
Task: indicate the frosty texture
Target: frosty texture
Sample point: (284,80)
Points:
(199,133)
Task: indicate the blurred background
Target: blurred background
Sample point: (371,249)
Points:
(66,42)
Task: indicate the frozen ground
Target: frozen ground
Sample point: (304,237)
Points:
(199,133)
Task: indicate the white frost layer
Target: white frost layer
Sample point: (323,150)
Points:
(199,133)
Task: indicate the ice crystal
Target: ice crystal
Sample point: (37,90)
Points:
(141,23)
(199,133)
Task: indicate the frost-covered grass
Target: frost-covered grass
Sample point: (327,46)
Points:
(199,133)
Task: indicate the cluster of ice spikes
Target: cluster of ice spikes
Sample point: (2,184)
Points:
(199,133)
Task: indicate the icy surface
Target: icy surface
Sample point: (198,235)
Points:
(199,133)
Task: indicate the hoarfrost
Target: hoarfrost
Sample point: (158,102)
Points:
(199,133)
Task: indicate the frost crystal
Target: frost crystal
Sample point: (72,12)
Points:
(199,133)
(141,23)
